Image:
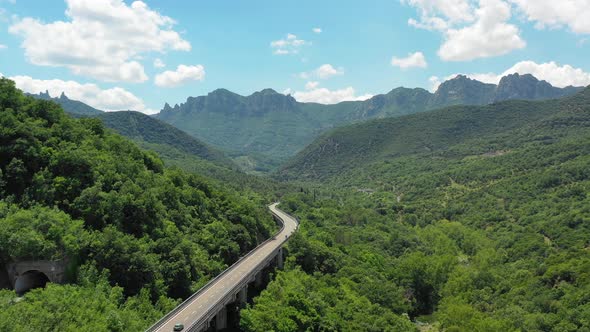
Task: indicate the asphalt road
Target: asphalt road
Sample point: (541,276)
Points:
(200,305)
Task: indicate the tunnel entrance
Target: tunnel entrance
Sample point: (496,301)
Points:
(29,280)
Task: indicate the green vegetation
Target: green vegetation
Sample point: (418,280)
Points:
(144,128)
(72,189)
(487,230)
(90,305)
(455,132)
(468,218)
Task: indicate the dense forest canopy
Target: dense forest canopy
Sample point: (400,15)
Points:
(142,234)
(486,233)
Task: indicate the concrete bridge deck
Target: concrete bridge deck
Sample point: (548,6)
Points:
(209,302)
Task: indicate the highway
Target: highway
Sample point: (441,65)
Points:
(205,300)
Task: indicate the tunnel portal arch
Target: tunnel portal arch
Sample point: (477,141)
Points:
(29,280)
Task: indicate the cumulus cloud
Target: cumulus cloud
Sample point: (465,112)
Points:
(315,94)
(181,75)
(469,31)
(288,45)
(113,99)
(102,39)
(489,36)
(317,30)
(556,14)
(413,60)
(552,72)
(323,72)
(158,63)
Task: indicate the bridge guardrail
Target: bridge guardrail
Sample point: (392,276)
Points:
(181,306)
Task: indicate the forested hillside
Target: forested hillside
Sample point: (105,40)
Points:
(480,232)
(137,235)
(143,128)
(458,131)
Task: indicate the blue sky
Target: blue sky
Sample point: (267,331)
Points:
(103,51)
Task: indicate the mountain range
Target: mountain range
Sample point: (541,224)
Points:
(454,132)
(262,130)
(275,126)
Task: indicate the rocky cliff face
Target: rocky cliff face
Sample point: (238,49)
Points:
(528,87)
(226,102)
(462,90)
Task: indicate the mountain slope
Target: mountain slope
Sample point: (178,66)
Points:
(273,127)
(264,122)
(432,133)
(144,128)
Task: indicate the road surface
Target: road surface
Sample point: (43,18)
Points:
(194,310)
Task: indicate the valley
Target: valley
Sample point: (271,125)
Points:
(295,166)
(400,227)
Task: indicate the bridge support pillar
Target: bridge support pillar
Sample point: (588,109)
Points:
(280,260)
(221,319)
(258,280)
(243,296)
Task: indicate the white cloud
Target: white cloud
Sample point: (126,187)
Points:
(317,30)
(558,75)
(101,39)
(113,99)
(327,70)
(489,36)
(470,31)
(181,75)
(413,60)
(2,46)
(323,72)
(158,63)
(288,45)
(555,14)
(311,85)
(315,94)
(440,14)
